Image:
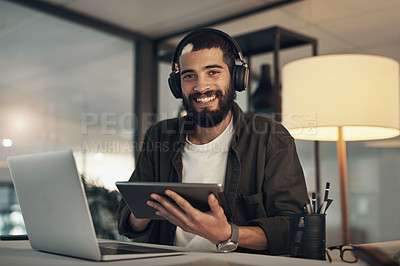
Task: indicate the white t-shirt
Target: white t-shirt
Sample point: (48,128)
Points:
(204,164)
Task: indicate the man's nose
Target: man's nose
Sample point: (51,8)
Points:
(202,84)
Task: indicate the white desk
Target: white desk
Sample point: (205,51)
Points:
(20,253)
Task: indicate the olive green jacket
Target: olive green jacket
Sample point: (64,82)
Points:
(264,180)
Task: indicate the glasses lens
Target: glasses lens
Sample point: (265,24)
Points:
(348,254)
(333,253)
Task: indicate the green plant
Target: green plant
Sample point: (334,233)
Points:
(103,205)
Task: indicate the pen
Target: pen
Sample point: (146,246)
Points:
(305,209)
(314,202)
(328,204)
(322,208)
(308,206)
(328,184)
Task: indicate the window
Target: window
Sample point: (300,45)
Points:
(64,86)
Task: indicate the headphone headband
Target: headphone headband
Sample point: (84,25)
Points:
(221,33)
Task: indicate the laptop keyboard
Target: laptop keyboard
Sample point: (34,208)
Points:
(112,248)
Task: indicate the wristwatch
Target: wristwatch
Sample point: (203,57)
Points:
(232,243)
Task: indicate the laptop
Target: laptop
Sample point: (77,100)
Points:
(56,213)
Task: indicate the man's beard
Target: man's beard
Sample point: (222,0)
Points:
(210,118)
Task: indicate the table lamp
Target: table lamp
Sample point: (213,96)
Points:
(344,97)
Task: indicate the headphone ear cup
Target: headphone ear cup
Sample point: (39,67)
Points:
(240,77)
(174,83)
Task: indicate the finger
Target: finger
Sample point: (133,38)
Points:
(169,206)
(161,210)
(214,204)
(156,205)
(181,202)
(164,212)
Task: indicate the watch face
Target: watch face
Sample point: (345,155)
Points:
(226,247)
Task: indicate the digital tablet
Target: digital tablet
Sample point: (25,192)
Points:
(136,194)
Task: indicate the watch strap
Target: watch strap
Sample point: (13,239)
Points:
(233,241)
(234,233)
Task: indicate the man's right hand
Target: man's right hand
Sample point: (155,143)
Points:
(138,225)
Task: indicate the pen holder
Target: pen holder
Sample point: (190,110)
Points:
(307,236)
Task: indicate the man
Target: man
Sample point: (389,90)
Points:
(253,156)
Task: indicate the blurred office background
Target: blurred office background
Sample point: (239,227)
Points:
(68,83)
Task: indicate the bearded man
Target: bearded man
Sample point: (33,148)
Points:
(254,157)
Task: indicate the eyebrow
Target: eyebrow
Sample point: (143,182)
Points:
(206,67)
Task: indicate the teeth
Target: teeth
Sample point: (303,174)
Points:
(205,100)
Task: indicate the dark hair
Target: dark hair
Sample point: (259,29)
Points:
(209,39)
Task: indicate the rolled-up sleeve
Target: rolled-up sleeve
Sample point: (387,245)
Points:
(285,193)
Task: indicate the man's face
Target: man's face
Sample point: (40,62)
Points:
(206,86)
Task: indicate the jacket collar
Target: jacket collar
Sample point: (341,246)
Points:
(238,120)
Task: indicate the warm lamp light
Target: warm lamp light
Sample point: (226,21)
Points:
(341,98)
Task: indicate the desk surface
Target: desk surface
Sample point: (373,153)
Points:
(21,253)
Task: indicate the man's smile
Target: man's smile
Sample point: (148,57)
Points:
(205,99)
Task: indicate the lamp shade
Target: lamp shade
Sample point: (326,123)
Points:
(359,93)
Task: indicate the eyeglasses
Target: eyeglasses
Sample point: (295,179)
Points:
(346,253)
(397,256)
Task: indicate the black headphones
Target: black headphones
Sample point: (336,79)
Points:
(240,75)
